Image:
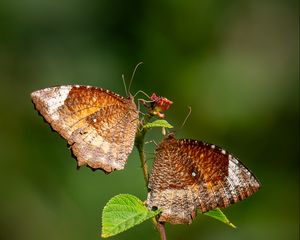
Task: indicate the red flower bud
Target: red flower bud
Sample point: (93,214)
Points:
(159,104)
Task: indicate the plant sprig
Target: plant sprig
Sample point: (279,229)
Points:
(125,211)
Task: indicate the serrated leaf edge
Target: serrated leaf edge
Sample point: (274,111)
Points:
(148,215)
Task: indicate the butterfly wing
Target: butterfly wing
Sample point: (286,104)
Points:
(99,125)
(189,175)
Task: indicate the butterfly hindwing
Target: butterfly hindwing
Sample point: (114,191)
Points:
(99,125)
(189,175)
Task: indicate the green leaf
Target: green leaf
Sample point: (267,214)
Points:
(158,123)
(123,212)
(219,215)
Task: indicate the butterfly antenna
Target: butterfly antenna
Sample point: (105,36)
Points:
(124,82)
(132,76)
(186,118)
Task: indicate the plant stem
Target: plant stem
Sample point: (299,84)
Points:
(139,143)
(160,228)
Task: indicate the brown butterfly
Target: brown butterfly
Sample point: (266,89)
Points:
(188,175)
(99,125)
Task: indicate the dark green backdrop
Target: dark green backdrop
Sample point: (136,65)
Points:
(234,62)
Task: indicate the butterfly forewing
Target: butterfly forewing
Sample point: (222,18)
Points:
(99,125)
(189,175)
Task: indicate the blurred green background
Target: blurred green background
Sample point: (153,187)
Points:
(234,62)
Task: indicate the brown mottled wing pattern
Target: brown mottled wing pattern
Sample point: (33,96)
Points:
(189,175)
(99,125)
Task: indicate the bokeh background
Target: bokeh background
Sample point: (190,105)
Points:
(234,62)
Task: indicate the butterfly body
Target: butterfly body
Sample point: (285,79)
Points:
(99,125)
(188,175)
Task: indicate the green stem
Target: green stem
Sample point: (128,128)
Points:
(139,143)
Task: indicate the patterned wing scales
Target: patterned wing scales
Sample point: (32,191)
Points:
(99,125)
(188,175)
